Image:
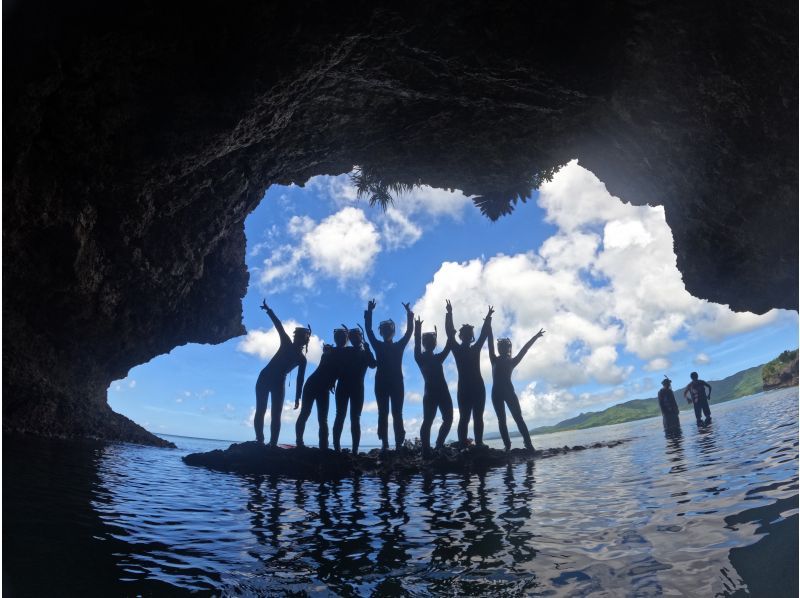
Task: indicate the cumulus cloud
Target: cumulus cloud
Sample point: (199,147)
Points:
(604,284)
(342,246)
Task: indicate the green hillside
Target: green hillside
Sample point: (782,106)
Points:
(740,384)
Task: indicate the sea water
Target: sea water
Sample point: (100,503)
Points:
(712,512)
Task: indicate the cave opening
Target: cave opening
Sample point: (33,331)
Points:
(597,273)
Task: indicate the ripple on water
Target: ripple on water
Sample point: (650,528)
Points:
(654,516)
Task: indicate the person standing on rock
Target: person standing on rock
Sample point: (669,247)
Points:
(471,394)
(356,359)
(695,393)
(389,388)
(669,407)
(272,379)
(437,395)
(319,385)
(503,389)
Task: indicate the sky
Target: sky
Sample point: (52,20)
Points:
(599,275)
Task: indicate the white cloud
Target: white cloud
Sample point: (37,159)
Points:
(659,364)
(398,230)
(414,397)
(370,407)
(701,359)
(132,384)
(229,407)
(605,283)
(264,343)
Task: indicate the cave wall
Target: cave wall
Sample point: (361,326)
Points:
(138,137)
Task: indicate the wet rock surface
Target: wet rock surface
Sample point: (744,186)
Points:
(139,136)
(308,463)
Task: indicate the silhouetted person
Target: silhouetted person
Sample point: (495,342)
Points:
(319,386)
(389,376)
(471,394)
(696,391)
(350,389)
(669,406)
(437,395)
(272,379)
(503,389)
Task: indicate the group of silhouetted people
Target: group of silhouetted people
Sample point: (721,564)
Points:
(342,369)
(694,393)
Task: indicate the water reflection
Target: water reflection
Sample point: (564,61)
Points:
(689,514)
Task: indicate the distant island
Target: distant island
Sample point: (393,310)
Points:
(781,372)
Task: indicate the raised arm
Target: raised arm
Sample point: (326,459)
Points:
(418,340)
(368,323)
(490,335)
(485,329)
(526,347)
(449,327)
(301,375)
(276,322)
(448,346)
(409,325)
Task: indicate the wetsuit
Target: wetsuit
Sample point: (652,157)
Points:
(272,380)
(437,395)
(503,392)
(669,409)
(350,389)
(317,388)
(471,394)
(389,380)
(697,391)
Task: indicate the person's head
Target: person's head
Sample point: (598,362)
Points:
(693,375)
(504,347)
(340,336)
(429,341)
(466,333)
(301,337)
(666,382)
(355,336)
(326,348)
(386,329)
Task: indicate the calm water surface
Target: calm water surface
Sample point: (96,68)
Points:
(713,512)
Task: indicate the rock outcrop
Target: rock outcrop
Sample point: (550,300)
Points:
(781,372)
(308,463)
(138,136)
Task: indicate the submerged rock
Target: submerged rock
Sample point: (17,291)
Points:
(317,464)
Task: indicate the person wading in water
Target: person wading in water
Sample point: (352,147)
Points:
(272,379)
(350,389)
(319,386)
(437,395)
(389,387)
(695,393)
(471,394)
(502,388)
(669,407)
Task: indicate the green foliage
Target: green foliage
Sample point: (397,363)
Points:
(372,183)
(774,367)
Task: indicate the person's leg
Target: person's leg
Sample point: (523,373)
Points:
(428,413)
(356,404)
(697,412)
(516,413)
(464,413)
(323,403)
(446,407)
(261,409)
(478,406)
(382,398)
(341,413)
(500,410)
(706,410)
(276,409)
(398,393)
(305,410)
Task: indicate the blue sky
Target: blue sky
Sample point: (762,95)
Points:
(597,274)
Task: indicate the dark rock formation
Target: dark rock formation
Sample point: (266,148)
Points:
(138,136)
(314,464)
(781,372)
